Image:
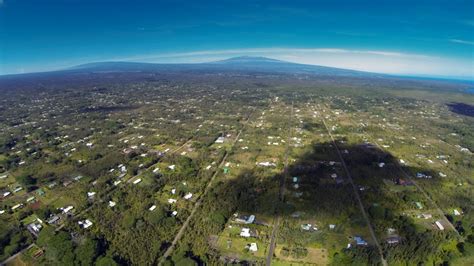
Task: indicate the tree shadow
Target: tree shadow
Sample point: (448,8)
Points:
(318,192)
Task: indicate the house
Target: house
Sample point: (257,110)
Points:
(220,140)
(439,225)
(53,219)
(266,164)
(112,204)
(360,241)
(174,213)
(308,227)
(188,196)
(67,209)
(152,208)
(171,201)
(381,165)
(91,194)
(422,175)
(30,199)
(85,224)
(393,240)
(456,212)
(418,205)
(332,226)
(252,247)
(172,167)
(20,205)
(137,181)
(34,228)
(295,179)
(245,219)
(245,232)
(6,194)
(17,189)
(426,216)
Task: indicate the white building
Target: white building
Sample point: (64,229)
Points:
(439,225)
(245,232)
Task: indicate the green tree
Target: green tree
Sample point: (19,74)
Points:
(105,261)
(86,252)
(26,180)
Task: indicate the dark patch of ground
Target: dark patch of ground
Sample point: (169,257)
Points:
(461,108)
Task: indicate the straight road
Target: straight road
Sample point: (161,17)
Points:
(356,192)
(198,203)
(281,194)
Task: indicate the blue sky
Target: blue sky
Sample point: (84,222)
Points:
(430,38)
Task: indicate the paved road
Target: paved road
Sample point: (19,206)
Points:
(281,194)
(425,194)
(198,203)
(11,258)
(359,200)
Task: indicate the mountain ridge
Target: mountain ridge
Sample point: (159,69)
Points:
(240,63)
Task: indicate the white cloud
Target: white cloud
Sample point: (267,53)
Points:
(461,41)
(389,62)
(276,51)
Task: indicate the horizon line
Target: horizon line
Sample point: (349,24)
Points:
(190,62)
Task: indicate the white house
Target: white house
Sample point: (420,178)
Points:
(85,224)
(439,225)
(68,209)
(253,247)
(245,232)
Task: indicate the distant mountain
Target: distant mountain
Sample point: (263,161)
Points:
(235,64)
(248,60)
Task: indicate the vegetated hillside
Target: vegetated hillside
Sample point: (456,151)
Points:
(236,68)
